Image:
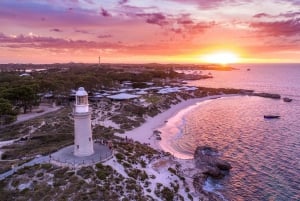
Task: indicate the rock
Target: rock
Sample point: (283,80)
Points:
(206,159)
(204,156)
(205,150)
(223,165)
(214,172)
(287,99)
(267,95)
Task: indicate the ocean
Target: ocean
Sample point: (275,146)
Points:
(264,153)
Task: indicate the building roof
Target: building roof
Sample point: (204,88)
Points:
(168,89)
(122,96)
(142,92)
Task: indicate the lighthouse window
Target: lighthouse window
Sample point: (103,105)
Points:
(81,100)
(90,139)
(77,146)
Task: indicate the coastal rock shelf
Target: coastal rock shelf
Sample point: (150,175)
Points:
(267,95)
(206,158)
(209,164)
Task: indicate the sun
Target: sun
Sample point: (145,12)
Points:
(223,58)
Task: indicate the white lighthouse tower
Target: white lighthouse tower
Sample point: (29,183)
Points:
(83,141)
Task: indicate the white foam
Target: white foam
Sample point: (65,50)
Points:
(174,129)
(211,186)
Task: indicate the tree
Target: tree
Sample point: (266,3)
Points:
(22,96)
(7,114)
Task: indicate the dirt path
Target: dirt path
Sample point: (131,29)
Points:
(36,113)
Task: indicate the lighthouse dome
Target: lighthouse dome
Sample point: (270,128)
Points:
(81,92)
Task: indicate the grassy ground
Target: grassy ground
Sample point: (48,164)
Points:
(42,135)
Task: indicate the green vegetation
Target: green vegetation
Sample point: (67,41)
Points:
(7,113)
(24,92)
(49,133)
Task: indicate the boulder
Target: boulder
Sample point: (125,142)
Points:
(207,159)
(204,156)
(223,165)
(214,172)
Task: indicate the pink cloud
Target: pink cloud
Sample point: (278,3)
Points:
(59,44)
(89,1)
(21,41)
(121,2)
(56,30)
(210,4)
(105,36)
(82,31)
(261,15)
(278,28)
(154,18)
(289,14)
(105,13)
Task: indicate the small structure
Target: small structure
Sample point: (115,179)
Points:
(126,84)
(122,96)
(83,141)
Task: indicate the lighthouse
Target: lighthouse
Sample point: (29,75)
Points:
(83,140)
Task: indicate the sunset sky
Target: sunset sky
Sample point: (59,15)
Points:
(143,31)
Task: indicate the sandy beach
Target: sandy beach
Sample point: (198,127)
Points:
(144,133)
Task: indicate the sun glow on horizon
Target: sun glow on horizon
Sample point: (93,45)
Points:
(223,58)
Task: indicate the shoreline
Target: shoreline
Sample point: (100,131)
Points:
(144,133)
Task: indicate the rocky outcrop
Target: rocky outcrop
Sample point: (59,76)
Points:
(207,159)
(209,164)
(267,95)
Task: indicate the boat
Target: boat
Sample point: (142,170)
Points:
(271,116)
(248,69)
(287,99)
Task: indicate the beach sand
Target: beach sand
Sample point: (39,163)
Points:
(144,133)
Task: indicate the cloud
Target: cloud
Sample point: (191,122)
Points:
(105,13)
(289,14)
(89,1)
(154,18)
(185,25)
(121,2)
(82,31)
(56,30)
(202,26)
(176,30)
(58,44)
(289,27)
(211,4)
(74,1)
(41,42)
(261,15)
(294,2)
(105,36)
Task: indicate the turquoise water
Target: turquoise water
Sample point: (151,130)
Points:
(264,153)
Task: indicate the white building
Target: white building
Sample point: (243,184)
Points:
(83,140)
